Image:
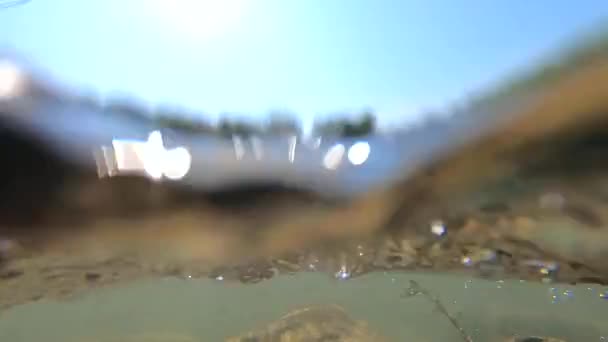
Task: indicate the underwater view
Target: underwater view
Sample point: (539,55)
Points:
(264,170)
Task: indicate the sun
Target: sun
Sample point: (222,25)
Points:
(200,18)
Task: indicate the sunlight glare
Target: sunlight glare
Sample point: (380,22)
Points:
(177,163)
(150,156)
(153,159)
(333,157)
(10,79)
(359,152)
(200,18)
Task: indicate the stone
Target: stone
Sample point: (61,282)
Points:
(313,324)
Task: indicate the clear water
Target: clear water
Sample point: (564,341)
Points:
(206,310)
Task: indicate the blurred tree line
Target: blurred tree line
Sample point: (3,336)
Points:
(587,49)
(276,122)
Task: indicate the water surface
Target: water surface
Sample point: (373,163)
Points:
(209,310)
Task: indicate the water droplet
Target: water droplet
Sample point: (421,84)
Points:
(342,273)
(438,228)
(410,292)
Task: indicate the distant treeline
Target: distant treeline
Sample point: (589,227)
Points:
(275,123)
(586,50)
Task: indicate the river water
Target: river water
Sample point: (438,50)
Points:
(208,310)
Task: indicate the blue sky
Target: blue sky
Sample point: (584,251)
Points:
(310,56)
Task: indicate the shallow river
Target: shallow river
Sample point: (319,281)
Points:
(208,310)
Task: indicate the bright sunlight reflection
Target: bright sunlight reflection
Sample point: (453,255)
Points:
(358,153)
(158,161)
(199,18)
(334,156)
(10,79)
(151,156)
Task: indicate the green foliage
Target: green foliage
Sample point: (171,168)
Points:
(187,125)
(344,126)
(178,119)
(229,127)
(283,123)
(126,107)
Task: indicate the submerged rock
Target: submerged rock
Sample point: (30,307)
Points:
(313,324)
(534,339)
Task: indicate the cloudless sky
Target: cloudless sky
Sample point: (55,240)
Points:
(310,56)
